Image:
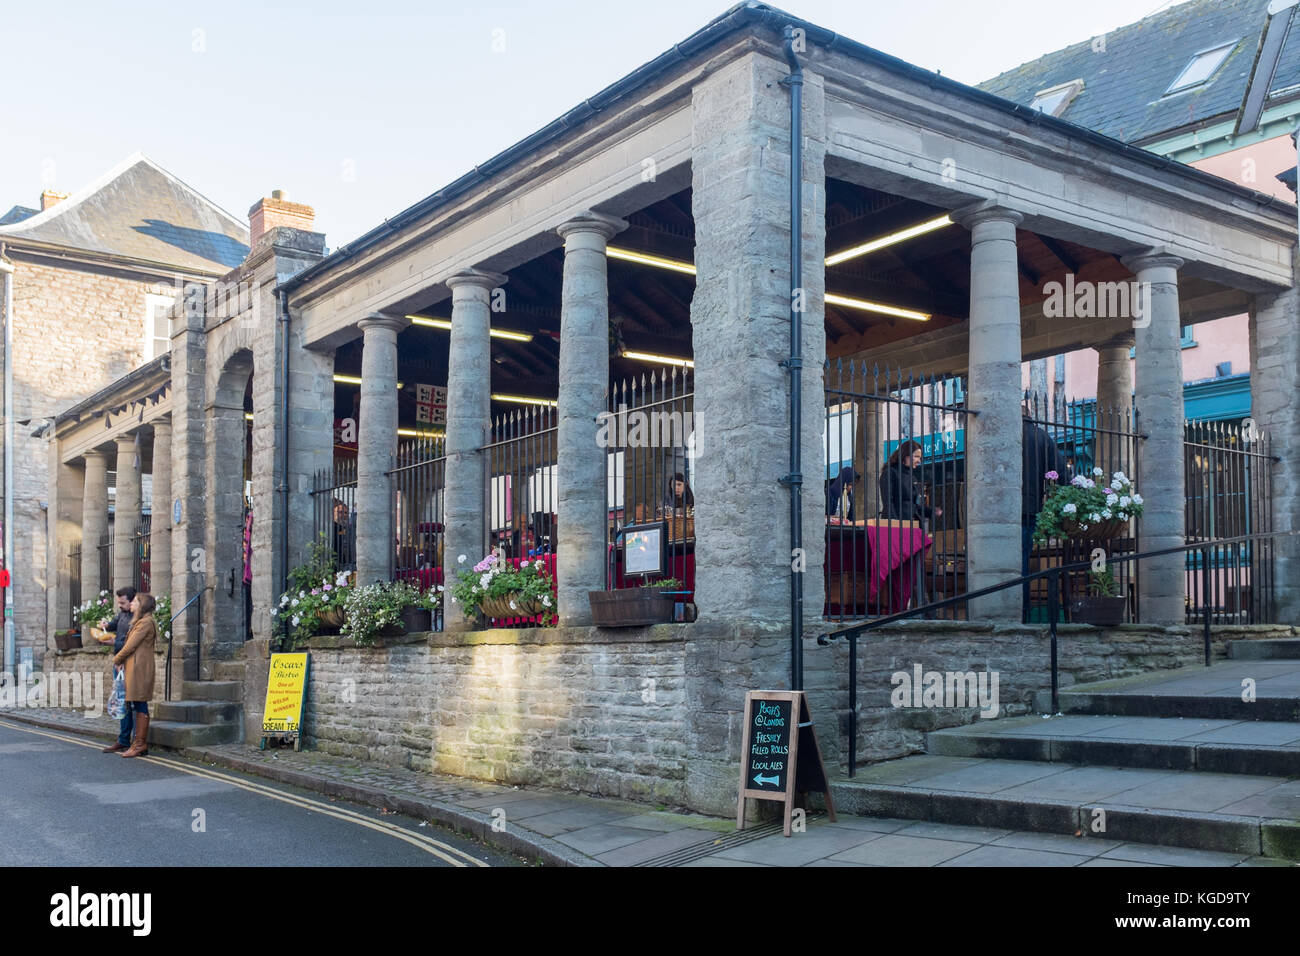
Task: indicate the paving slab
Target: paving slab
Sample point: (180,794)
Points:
(952,831)
(907,770)
(1158,728)
(1197,791)
(1172,855)
(601,838)
(1014,856)
(1088,846)
(721,861)
(893,849)
(1104,861)
(800,848)
(1085,784)
(992,776)
(1281,803)
(1264,733)
(878,824)
(574,818)
(654,846)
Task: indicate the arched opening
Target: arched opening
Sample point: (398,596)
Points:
(229,527)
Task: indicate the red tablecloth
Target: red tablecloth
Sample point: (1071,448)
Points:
(887,555)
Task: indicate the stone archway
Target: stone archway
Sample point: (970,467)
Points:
(228,462)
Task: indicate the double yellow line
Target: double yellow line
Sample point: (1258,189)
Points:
(443,851)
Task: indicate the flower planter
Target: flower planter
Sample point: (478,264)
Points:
(67,640)
(632,607)
(499,607)
(1098,611)
(1111,528)
(331,619)
(417,619)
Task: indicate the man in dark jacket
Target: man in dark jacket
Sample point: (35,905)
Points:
(119,626)
(1040,456)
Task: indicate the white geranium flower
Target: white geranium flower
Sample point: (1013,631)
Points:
(284,599)
(294,620)
(1137,499)
(485,580)
(1118,479)
(1097,473)
(293,603)
(1069,509)
(546,600)
(461,559)
(514,606)
(1123,516)
(1094,517)
(1106,514)
(1124,501)
(1112,499)
(341,580)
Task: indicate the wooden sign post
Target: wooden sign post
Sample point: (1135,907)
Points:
(778,732)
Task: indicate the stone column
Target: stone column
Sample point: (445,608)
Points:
(160,526)
(94,521)
(469,403)
(1158,396)
(65,533)
(126,510)
(1114,405)
(581,499)
(376,445)
(994,434)
(1274,384)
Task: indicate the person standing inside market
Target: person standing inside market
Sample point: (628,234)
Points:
(119,626)
(136,656)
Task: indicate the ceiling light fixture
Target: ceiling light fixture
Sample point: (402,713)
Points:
(445,324)
(866,306)
(353,380)
(658,359)
(645,259)
(523,399)
(892,239)
(413,433)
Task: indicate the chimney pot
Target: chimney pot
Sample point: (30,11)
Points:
(276,210)
(51,198)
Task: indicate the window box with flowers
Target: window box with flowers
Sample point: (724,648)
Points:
(387,610)
(652,603)
(494,588)
(316,608)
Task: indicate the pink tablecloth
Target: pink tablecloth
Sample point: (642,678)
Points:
(888,554)
(893,551)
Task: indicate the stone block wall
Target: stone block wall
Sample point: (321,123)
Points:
(90,668)
(76,330)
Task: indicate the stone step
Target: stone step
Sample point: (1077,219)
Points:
(1272,649)
(1264,748)
(178,734)
(229,670)
(1234,813)
(213,690)
(1227,706)
(198,711)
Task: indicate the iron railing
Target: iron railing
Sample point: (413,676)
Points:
(648,436)
(417,479)
(74,582)
(140,538)
(197,603)
(1053,576)
(334,511)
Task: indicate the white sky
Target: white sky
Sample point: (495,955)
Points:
(360,109)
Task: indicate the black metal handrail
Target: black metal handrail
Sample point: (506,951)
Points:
(1053,576)
(167,678)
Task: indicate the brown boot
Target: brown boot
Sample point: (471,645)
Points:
(116,746)
(140,745)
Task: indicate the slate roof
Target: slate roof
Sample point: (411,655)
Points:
(1124,86)
(139,211)
(17,214)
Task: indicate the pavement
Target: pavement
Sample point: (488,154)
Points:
(565,829)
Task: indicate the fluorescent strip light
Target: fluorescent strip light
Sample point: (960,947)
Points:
(248,416)
(893,238)
(658,359)
(353,380)
(645,259)
(413,433)
(435,323)
(866,306)
(523,399)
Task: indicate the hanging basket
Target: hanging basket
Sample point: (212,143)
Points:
(499,607)
(331,619)
(1110,528)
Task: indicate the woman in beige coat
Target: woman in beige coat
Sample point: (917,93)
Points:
(136,656)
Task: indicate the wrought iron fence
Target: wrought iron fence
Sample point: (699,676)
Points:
(1227,469)
(334,500)
(417,480)
(520,463)
(140,564)
(895,489)
(74,583)
(648,436)
(105,549)
(1074,438)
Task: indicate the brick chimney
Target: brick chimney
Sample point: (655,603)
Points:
(50,198)
(266,214)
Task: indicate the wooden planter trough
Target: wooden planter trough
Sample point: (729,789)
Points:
(633,607)
(1098,611)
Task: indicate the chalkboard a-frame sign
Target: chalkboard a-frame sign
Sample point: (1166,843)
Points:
(780,753)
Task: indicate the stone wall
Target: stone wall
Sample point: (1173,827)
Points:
(86,674)
(76,330)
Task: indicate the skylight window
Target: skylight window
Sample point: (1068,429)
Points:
(1054,101)
(1202,67)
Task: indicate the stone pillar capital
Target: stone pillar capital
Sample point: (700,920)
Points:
(1152,259)
(379,320)
(94,454)
(476,278)
(126,438)
(590,224)
(986,211)
(161,425)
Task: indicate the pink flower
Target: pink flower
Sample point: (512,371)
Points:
(1052,475)
(1110,491)
(328,587)
(315,590)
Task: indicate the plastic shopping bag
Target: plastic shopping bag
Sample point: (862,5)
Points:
(117,699)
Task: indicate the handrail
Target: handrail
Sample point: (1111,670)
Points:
(167,679)
(1053,576)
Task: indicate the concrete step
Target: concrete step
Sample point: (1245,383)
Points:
(213,690)
(179,735)
(229,670)
(1205,706)
(1236,813)
(1266,748)
(1273,649)
(198,711)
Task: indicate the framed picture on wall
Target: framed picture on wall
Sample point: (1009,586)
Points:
(644,548)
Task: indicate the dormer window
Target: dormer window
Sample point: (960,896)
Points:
(1055,100)
(1203,66)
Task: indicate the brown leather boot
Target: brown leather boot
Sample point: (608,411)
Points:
(116,746)
(140,745)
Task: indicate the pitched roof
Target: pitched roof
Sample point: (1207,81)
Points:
(17,214)
(1124,85)
(139,211)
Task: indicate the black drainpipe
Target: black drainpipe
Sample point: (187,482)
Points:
(794,480)
(284,445)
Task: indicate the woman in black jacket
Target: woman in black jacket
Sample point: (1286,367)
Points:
(900,495)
